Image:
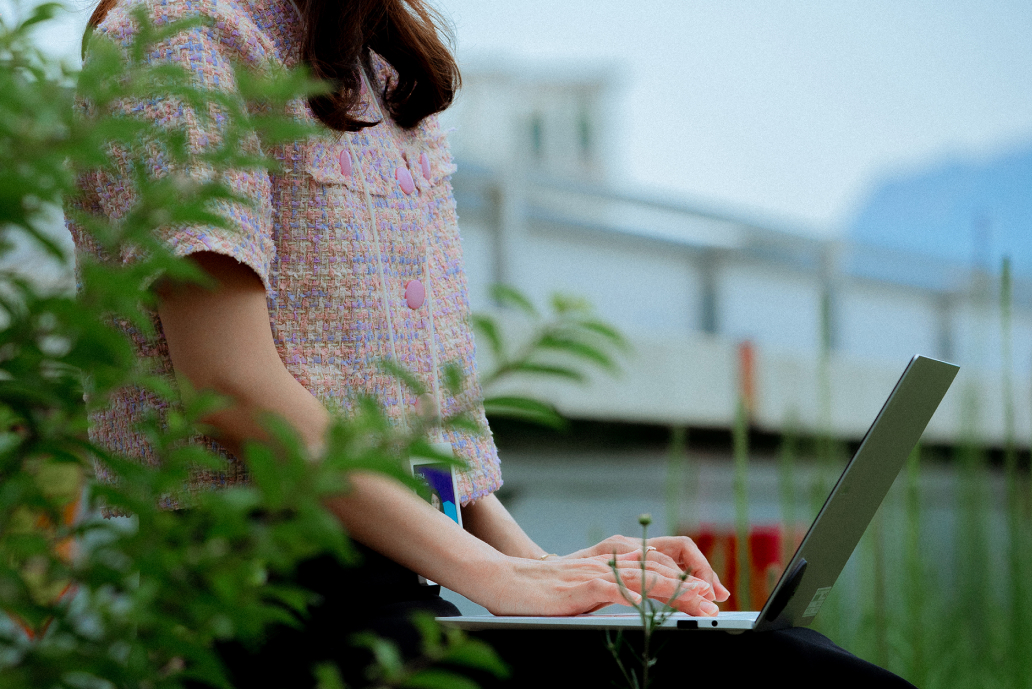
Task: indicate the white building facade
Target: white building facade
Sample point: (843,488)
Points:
(831,324)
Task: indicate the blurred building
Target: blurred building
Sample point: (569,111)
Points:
(831,324)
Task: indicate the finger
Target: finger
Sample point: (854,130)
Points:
(610,593)
(687,553)
(684,596)
(650,556)
(664,566)
(663,585)
(702,586)
(619,545)
(697,606)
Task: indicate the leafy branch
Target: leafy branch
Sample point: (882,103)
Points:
(139,603)
(441,650)
(561,345)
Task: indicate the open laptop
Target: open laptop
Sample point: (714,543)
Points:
(832,537)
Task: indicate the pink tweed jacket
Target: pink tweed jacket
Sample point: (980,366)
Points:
(355,240)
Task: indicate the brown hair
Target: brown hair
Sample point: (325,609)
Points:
(337,36)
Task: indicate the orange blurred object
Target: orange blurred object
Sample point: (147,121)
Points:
(65,549)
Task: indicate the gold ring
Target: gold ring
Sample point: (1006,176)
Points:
(649,549)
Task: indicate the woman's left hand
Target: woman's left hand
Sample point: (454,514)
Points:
(672,551)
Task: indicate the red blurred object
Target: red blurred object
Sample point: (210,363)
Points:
(767,554)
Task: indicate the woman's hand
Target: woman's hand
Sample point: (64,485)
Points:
(678,552)
(575,585)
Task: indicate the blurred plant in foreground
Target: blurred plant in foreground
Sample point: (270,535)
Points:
(132,603)
(558,346)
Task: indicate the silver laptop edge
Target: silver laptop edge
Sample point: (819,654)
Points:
(833,535)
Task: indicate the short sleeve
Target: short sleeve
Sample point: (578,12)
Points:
(207,53)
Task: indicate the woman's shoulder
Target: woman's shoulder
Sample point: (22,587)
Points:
(252,32)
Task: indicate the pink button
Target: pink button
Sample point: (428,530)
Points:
(424,162)
(405,181)
(415,294)
(345,163)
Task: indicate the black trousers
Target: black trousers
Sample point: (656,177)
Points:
(381,596)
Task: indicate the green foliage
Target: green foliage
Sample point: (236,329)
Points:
(89,602)
(442,648)
(958,612)
(560,346)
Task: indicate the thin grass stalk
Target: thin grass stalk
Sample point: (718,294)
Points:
(825,449)
(879,599)
(1017,551)
(915,665)
(646,627)
(679,483)
(972,572)
(831,620)
(787,485)
(741,454)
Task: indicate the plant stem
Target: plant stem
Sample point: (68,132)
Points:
(741,452)
(677,481)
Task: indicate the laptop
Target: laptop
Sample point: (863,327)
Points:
(807,580)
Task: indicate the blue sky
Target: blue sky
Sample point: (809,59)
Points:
(790,109)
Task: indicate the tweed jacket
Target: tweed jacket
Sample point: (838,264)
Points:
(355,239)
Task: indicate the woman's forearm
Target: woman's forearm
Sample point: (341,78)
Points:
(417,536)
(220,339)
(488,520)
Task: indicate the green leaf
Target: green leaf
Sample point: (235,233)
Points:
(565,304)
(506,295)
(548,370)
(578,349)
(385,652)
(488,328)
(437,678)
(606,331)
(524,409)
(476,654)
(42,13)
(327,676)
(404,375)
(454,380)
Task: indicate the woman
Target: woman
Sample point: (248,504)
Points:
(349,256)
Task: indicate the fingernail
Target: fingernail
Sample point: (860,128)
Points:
(709,608)
(703,590)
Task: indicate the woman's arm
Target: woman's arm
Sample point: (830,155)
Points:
(488,520)
(220,338)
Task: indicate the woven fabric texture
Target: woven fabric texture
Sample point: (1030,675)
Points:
(310,238)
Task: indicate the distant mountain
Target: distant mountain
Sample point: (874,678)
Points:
(963,211)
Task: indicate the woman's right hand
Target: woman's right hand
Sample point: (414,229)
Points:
(572,586)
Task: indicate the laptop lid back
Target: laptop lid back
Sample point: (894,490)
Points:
(856,497)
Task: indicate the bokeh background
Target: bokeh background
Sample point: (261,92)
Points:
(778,204)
